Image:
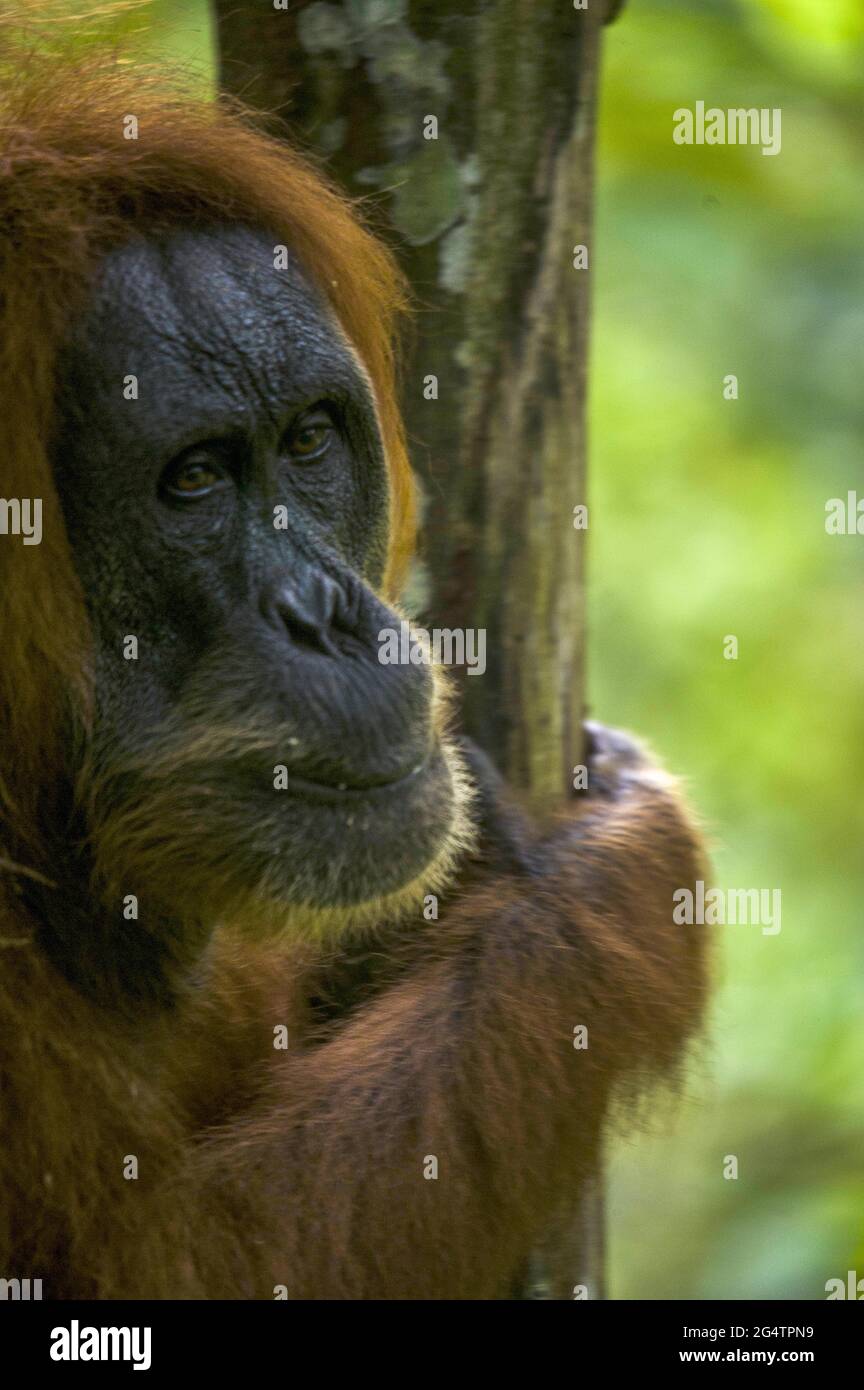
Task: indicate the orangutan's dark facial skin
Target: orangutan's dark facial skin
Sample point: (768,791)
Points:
(257,643)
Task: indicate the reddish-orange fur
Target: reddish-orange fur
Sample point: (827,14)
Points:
(258,1167)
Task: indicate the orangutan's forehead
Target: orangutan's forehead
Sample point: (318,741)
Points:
(226,306)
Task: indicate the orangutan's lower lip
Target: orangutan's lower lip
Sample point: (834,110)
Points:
(340,791)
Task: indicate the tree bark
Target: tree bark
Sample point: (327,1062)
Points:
(472,124)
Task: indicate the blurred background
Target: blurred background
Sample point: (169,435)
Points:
(708,519)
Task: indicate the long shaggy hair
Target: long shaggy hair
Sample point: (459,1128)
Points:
(261,1168)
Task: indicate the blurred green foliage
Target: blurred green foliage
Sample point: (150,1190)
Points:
(707,518)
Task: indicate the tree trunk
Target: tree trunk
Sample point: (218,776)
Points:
(472,124)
